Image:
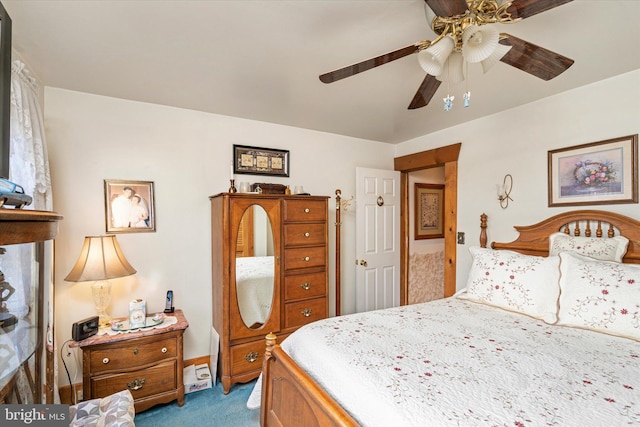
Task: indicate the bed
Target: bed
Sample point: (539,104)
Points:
(547,332)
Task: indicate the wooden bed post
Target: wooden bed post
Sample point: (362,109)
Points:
(483,230)
(338,224)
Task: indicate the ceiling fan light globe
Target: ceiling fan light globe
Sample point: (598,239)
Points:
(452,70)
(500,51)
(433,58)
(479,42)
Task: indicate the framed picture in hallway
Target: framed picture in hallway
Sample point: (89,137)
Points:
(129,206)
(597,173)
(429,211)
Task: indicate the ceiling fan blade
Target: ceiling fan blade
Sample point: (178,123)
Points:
(448,7)
(526,8)
(426,91)
(533,59)
(351,70)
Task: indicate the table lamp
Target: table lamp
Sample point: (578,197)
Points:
(100,259)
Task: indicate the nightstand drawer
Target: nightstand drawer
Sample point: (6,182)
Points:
(129,355)
(304,234)
(299,286)
(142,383)
(303,312)
(305,210)
(305,257)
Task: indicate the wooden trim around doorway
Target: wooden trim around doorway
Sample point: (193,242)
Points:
(443,156)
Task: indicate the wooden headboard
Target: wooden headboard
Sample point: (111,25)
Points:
(534,239)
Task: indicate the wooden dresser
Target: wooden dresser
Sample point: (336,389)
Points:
(269,263)
(149,363)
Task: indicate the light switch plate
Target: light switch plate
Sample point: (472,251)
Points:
(461,238)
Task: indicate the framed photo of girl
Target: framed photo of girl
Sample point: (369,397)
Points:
(129,206)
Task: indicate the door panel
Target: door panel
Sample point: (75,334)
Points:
(377,239)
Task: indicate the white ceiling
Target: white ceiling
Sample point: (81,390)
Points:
(260,60)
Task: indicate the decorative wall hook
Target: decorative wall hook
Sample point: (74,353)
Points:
(504,191)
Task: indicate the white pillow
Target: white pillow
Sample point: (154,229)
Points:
(599,295)
(521,283)
(605,249)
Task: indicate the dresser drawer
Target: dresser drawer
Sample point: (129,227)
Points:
(305,234)
(303,312)
(247,357)
(305,210)
(144,382)
(305,257)
(299,286)
(130,354)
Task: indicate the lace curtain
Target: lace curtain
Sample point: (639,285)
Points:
(29,162)
(30,169)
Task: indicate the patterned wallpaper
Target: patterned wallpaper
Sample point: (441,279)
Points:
(426,277)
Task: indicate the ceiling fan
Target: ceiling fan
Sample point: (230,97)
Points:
(466,32)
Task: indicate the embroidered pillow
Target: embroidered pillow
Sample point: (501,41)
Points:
(605,249)
(521,283)
(599,295)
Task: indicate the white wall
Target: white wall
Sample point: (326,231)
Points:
(187,155)
(516,142)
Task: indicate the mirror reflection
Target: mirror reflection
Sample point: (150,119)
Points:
(255,267)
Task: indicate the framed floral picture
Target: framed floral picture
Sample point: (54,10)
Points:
(129,206)
(429,211)
(597,173)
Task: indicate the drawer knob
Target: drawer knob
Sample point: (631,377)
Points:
(105,360)
(306,286)
(136,384)
(164,349)
(135,351)
(306,258)
(307,210)
(307,234)
(252,357)
(306,312)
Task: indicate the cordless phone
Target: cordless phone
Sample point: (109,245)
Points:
(169,305)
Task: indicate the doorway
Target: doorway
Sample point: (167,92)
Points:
(448,158)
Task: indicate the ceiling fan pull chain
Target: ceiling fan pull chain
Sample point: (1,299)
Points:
(467,94)
(448,102)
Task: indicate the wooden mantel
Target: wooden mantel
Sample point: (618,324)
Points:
(24,226)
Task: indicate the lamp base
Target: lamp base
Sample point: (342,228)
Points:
(103,319)
(102,297)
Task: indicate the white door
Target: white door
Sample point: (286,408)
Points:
(377,239)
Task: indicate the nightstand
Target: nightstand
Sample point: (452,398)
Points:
(149,363)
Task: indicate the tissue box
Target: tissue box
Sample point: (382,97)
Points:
(196,378)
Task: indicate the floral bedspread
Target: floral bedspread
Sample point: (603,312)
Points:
(456,363)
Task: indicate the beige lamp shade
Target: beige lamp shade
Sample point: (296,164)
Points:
(100,259)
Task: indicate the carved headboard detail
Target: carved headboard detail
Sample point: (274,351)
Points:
(534,239)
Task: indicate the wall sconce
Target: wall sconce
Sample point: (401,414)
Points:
(504,191)
(100,259)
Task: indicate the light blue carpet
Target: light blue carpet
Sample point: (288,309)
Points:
(208,407)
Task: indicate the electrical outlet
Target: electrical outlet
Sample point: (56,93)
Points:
(461,238)
(78,395)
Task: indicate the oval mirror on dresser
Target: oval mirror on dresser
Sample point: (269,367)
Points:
(255,269)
